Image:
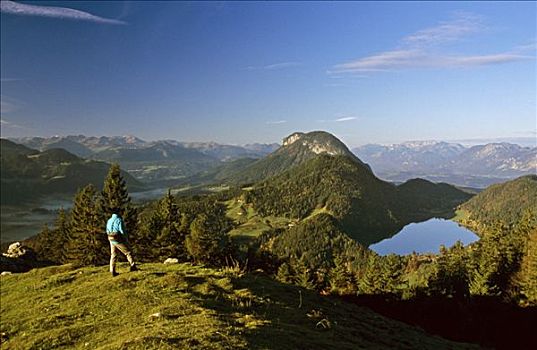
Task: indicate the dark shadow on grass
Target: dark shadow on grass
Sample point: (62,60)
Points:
(484,320)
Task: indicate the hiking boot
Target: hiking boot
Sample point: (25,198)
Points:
(134,268)
(114,273)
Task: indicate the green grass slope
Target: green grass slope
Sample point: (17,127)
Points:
(187,307)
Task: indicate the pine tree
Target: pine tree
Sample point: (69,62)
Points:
(115,199)
(528,271)
(340,278)
(370,281)
(451,276)
(285,274)
(88,244)
(169,237)
(207,241)
(44,245)
(60,236)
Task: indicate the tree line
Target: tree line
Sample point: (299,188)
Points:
(316,253)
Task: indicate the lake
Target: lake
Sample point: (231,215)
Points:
(425,237)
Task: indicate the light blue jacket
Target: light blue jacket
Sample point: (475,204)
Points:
(115,225)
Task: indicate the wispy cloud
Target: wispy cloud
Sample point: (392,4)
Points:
(275,122)
(463,24)
(345,119)
(418,50)
(14,8)
(337,120)
(407,59)
(275,66)
(7,124)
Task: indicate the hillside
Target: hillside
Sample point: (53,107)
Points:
(513,203)
(163,161)
(159,161)
(296,149)
(27,174)
(367,208)
(187,307)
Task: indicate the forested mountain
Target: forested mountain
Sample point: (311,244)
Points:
(477,166)
(296,149)
(163,160)
(27,174)
(160,161)
(367,208)
(512,204)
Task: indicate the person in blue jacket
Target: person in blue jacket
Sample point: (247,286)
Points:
(119,241)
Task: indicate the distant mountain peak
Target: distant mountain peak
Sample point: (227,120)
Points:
(317,142)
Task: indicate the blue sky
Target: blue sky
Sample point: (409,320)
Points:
(239,72)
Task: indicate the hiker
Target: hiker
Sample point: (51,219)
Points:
(119,241)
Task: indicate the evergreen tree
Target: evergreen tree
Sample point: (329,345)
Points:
(340,278)
(391,273)
(207,241)
(88,243)
(44,245)
(285,274)
(370,280)
(115,199)
(169,237)
(528,271)
(451,276)
(60,237)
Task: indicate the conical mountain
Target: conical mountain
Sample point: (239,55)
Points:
(296,149)
(315,173)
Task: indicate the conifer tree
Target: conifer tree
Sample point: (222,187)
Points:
(44,244)
(115,199)
(60,237)
(169,238)
(88,244)
(340,277)
(207,241)
(528,271)
(285,274)
(370,281)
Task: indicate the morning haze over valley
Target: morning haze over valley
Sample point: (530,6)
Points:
(268,175)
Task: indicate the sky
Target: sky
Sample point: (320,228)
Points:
(244,72)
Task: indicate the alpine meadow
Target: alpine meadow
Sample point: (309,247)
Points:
(290,175)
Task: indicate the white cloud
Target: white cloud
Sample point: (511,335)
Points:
(275,66)
(337,120)
(461,25)
(7,124)
(416,50)
(412,59)
(14,8)
(275,122)
(345,119)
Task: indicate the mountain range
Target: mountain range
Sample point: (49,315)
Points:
(476,166)
(163,160)
(27,174)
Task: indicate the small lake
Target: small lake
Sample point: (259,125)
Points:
(425,237)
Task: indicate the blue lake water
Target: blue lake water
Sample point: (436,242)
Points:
(425,237)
